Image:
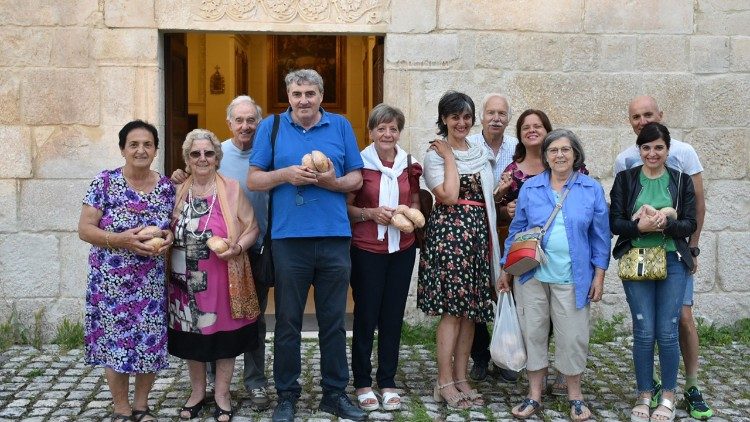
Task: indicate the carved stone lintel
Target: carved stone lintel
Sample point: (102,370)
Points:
(372,12)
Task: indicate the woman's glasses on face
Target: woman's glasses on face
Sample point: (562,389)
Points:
(207,154)
(554,151)
(657,148)
(300,200)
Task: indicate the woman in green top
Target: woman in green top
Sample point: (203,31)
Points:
(654,205)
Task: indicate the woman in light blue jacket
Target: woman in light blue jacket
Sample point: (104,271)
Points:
(577,246)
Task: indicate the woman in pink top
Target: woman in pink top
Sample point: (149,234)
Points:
(382,256)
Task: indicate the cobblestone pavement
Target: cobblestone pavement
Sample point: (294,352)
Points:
(47,385)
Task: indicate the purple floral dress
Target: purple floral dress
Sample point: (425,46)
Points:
(126,306)
(454,268)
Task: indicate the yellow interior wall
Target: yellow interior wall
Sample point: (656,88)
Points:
(207,50)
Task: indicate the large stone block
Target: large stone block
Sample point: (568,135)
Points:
(403,13)
(705,278)
(8,206)
(51,205)
(511,15)
(65,152)
(675,94)
(74,255)
(125,46)
(118,94)
(722,308)
(723,152)
(600,150)
(663,53)
(25,46)
(10,97)
(569,98)
(618,53)
(129,13)
(148,98)
(50,313)
(16,141)
(72,47)
(49,13)
(734,254)
(639,16)
(722,17)
(60,96)
(722,100)
(727,205)
(709,54)
(29,265)
(739,60)
(551,52)
(421,51)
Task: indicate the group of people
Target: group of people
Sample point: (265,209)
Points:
(331,226)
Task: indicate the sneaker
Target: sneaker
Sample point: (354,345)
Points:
(338,404)
(285,409)
(259,398)
(478,372)
(656,396)
(697,407)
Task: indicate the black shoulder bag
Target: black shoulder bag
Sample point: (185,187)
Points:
(263,270)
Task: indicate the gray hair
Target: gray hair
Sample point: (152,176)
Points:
(575,143)
(498,95)
(383,113)
(244,99)
(304,76)
(196,135)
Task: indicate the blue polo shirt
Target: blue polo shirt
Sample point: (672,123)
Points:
(586,219)
(307,211)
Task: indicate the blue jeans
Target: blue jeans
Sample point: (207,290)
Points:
(655,309)
(322,262)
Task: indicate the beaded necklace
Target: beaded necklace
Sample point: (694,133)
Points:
(196,212)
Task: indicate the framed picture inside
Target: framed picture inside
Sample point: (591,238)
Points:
(324,53)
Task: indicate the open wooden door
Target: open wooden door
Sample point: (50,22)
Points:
(176,100)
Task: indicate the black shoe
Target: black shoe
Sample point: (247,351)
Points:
(285,409)
(338,404)
(506,375)
(478,372)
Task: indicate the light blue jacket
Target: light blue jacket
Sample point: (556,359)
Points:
(586,225)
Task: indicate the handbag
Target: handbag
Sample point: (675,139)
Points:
(426,203)
(263,268)
(640,264)
(526,252)
(507,348)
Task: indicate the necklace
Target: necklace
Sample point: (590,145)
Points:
(196,212)
(133,186)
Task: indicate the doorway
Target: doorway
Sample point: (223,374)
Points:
(204,71)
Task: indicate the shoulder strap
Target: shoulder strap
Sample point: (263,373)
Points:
(559,204)
(274,133)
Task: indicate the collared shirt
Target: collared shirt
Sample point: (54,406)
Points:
(586,219)
(309,210)
(503,157)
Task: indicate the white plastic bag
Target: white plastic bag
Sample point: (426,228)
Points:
(507,348)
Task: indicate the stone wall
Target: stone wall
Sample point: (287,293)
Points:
(72,72)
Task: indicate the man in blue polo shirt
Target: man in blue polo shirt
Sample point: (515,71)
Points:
(311,236)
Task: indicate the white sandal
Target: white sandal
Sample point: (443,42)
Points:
(391,400)
(669,415)
(362,398)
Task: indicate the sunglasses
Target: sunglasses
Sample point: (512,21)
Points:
(207,154)
(300,200)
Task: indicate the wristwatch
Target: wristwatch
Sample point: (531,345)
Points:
(695,251)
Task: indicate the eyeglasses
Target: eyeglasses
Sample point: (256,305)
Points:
(554,151)
(657,148)
(300,200)
(207,154)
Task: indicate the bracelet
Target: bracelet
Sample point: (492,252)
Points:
(106,240)
(362,214)
(241,249)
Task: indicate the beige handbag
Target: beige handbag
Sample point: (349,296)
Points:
(640,264)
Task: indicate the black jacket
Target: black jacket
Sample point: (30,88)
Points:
(623,195)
